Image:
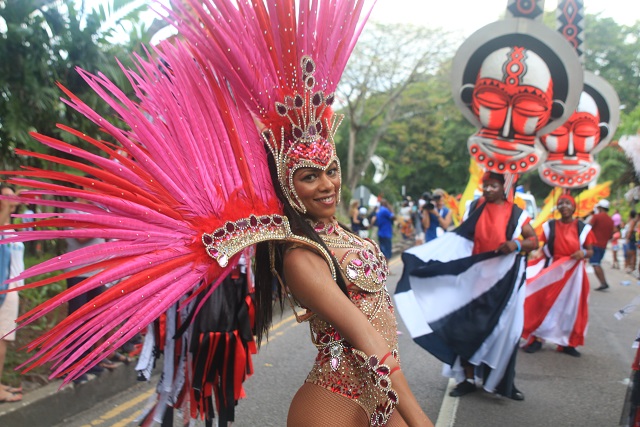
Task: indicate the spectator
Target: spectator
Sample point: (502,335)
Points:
(616,218)
(602,226)
(364,220)
(630,246)
(615,246)
(384,221)
(354,216)
(11,265)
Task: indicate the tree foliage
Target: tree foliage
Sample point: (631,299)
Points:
(45,40)
(387,61)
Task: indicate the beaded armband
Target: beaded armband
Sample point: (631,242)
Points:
(380,375)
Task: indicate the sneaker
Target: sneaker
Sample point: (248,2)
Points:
(602,287)
(536,345)
(571,351)
(465,387)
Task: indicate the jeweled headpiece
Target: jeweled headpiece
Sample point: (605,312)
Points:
(306,141)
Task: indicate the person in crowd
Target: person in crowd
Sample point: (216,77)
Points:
(436,217)
(384,221)
(354,216)
(406,223)
(602,226)
(630,236)
(615,247)
(364,222)
(556,307)
(616,218)
(11,264)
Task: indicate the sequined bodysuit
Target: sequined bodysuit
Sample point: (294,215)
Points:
(338,367)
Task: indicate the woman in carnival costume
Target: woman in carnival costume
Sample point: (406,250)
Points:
(556,307)
(178,223)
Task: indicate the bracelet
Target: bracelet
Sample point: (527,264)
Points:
(518,245)
(397,368)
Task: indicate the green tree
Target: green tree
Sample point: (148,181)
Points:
(387,60)
(45,40)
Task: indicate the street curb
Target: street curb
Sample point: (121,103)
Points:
(50,405)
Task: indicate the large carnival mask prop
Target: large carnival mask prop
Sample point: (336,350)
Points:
(303,135)
(570,162)
(515,80)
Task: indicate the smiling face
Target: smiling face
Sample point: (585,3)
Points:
(318,190)
(566,208)
(492,190)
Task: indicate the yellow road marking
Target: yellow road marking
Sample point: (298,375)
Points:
(121,408)
(126,421)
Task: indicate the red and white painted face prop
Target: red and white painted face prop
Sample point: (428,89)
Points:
(515,80)
(512,98)
(570,163)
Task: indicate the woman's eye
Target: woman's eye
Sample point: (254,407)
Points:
(332,171)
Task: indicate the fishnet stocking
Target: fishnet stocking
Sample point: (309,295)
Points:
(314,406)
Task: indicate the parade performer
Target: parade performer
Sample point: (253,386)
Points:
(461,295)
(177,222)
(556,304)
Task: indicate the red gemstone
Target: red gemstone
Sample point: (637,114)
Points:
(281,109)
(317,99)
(384,383)
(383,370)
(329,99)
(277,219)
(309,67)
(265,220)
(242,224)
(207,239)
(253,221)
(219,233)
(373,361)
(212,251)
(311,82)
(231,227)
(298,101)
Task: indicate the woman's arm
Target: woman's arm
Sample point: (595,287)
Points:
(446,221)
(309,279)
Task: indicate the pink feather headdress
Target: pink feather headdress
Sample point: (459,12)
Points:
(283,63)
(186,185)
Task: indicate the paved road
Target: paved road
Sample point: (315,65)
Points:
(560,390)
